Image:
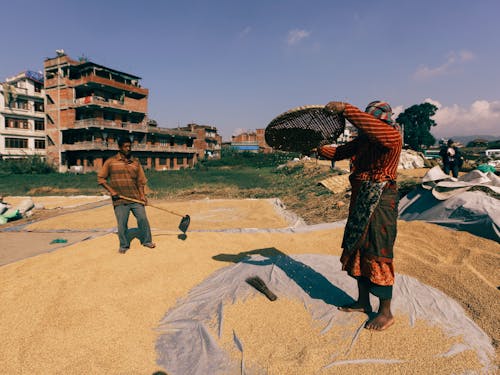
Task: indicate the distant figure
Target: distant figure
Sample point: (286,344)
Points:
(371,227)
(452,159)
(126,179)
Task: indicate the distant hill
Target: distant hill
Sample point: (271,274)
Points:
(464,139)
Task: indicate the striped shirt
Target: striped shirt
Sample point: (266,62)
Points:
(125,176)
(375,152)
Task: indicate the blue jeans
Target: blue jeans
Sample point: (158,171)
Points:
(451,167)
(143,233)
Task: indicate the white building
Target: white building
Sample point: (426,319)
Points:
(22,116)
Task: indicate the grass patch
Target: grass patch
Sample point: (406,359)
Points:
(234,177)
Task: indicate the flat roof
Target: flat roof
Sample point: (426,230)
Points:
(92,64)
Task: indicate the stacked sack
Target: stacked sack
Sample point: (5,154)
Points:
(8,213)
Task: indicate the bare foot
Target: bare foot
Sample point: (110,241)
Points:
(356,307)
(380,322)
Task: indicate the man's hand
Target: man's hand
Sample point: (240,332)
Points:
(335,107)
(144,199)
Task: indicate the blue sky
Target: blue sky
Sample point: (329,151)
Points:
(238,64)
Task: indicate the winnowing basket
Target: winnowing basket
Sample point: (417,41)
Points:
(302,128)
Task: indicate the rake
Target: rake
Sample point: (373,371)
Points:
(185,221)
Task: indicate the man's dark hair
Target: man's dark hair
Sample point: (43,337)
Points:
(123,140)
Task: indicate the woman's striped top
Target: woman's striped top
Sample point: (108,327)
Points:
(374,153)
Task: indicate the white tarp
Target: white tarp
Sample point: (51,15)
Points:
(469,203)
(410,159)
(187,346)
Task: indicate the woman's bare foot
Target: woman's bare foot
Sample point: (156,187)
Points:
(356,307)
(381,322)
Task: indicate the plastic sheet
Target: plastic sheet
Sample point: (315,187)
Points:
(186,346)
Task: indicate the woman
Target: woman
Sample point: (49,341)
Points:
(371,227)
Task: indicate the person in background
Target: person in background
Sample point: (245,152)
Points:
(371,230)
(126,179)
(452,159)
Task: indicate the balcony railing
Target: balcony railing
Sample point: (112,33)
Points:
(89,145)
(107,82)
(30,112)
(100,123)
(99,101)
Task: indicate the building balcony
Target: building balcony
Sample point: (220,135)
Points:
(103,146)
(100,123)
(141,127)
(97,100)
(25,92)
(95,80)
(28,113)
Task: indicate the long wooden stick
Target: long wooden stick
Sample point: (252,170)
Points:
(150,205)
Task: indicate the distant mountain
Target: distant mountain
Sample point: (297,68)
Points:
(464,139)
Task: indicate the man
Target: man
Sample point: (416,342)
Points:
(127,179)
(452,160)
(371,227)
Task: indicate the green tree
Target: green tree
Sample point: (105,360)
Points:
(416,121)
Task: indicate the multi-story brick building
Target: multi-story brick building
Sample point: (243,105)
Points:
(251,142)
(207,142)
(90,106)
(22,117)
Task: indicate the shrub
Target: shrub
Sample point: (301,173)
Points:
(233,158)
(28,165)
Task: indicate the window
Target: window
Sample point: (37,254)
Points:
(38,106)
(38,87)
(39,125)
(180,161)
(21,104)
(163,161)
(15,123)
(40,143)
(16,142)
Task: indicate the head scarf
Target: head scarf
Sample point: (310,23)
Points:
(381,110)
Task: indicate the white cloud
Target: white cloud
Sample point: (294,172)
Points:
(238,131)
(296,35)
(454,61)
(481,118)
(245,31)
(396,111)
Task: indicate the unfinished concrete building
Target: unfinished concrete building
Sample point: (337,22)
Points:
(90,106)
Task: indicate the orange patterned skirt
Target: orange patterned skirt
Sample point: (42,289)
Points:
(374,257)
